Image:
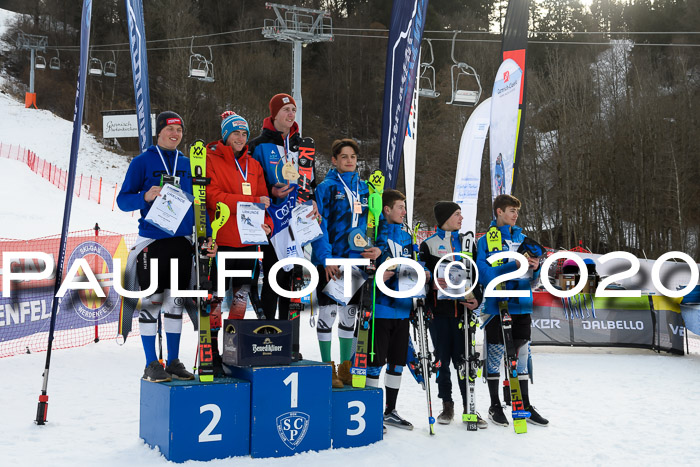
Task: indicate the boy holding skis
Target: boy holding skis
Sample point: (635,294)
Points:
(160,164)
(342,204)
(391,315)
(445,329)
(506,209)
(235,177)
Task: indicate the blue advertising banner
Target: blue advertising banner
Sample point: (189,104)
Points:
(405,34)
(139,69)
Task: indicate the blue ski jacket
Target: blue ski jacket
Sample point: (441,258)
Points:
(511,239)
(334,206)
(394,243)
(144,172)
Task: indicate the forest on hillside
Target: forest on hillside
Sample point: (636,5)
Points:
(611,153)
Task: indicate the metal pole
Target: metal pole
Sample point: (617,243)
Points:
(296,79)
(31,71)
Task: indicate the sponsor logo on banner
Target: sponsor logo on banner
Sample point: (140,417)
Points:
(677,330)
(544,323)
(292,427)
(86,303)
(618,324)
(506,76)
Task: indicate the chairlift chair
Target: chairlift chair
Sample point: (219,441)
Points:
(110,68)
(466,97)
(201,68)
(55,62)
(95,66)
(39,62)
(427,75)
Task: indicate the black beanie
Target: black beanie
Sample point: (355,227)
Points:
(443,210)
(168,118)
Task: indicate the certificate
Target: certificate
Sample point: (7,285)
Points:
(458,274)
(305,229)
(250,217)
(335,288)
(168,209)
(407,279)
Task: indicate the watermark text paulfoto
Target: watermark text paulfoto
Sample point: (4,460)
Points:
(15,270)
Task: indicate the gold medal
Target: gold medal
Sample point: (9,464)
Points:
(289,172)
(246,188)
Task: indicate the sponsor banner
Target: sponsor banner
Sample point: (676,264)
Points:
(504,126)
(28,310)
(468,175)
(403,49)
(123,125)
(646,322)
(139,69)
(409,153)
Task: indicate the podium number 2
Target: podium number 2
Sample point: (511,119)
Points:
(357,417)
(206,436)
(293,379)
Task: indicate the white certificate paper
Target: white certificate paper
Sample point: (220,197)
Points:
(408,278)
(250,217)
(336,287)
(305,229)
(168,209)
(458,274)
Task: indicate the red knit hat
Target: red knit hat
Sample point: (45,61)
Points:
(278,101)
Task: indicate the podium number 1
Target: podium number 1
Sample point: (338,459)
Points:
(293,379)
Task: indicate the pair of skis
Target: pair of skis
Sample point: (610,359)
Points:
(470,368)
(495,243)
(203,264)
(369,290)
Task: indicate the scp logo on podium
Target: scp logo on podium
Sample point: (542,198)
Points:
(292,427)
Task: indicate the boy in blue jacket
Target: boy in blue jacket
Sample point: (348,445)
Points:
(342,204)
(161,164)
(506,209)
(391,315)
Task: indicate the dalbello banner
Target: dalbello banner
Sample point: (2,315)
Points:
(468,175)
(405,34)
(139,69)
(505,118)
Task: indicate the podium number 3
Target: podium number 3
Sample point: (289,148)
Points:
(293,379)
(357,417)
(206,436)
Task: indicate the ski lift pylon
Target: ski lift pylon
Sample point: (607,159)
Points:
(39,62)
(110,68)
(201,68)
(466,97)
(55,62)
(427,75)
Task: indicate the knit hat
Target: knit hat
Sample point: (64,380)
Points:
(279,101)
(231,122)
(443,210)
(168,118)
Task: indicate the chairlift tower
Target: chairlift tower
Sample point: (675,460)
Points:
(300,26)
(35,44)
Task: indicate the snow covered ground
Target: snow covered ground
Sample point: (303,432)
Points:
(606,406)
